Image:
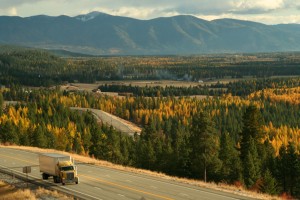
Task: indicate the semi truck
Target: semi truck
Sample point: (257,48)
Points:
(60,166)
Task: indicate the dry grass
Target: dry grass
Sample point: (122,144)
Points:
(220,186)
(151,83)
(9,192)
(79,87)
(42,193)
(163,83)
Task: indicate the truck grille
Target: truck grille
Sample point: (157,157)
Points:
(70,176)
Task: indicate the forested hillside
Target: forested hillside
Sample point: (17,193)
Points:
(252,140)
(245,132)
(33,67)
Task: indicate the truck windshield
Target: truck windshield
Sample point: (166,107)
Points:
(67,168)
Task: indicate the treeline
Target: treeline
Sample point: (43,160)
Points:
(246,87)
(252,142)
(158,91)
(39,68)
(237,88)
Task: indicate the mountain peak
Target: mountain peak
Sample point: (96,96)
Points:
(89,16)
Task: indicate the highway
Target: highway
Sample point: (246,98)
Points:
(104,183)
(118,123)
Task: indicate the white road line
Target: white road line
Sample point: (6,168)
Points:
(97,188)
(80,192)
(154,187)
(179,185)
(184,195)
(211,193)
(175,184)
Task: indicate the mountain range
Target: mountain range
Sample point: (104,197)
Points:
(102,34)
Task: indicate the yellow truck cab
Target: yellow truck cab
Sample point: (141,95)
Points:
(68,172)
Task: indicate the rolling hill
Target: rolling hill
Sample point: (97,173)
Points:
(102,34)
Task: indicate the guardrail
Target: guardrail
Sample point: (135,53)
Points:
(11,171)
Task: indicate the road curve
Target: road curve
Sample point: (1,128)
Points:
(118,123)
(103,183)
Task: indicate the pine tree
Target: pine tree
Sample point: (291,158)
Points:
(288,170)
(269,183)
(252,124)
(281,173)
(8,133)
(231,165)
(181,151)
(1,103)
(204,146)
(293,170)
(113,146)
(86,139)
(251,165)
(250,145)
(39,139)
(146,157)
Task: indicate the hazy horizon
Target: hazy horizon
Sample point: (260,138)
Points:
(262,11)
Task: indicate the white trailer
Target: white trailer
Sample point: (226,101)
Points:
(60,166)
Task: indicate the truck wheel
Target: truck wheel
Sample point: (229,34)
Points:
(63,183)
(56,179)
(45,176)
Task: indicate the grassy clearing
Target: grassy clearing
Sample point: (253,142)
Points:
(153,83)
(220,186)
(9,192)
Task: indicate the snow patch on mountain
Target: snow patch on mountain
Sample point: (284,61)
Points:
(89,16)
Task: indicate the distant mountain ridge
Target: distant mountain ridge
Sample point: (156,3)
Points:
(103,34)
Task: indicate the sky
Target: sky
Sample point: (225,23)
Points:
(264,11)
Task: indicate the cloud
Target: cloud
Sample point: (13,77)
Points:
(13,11)
(16,3)
(266,19)
(257,6)
(134,12)
(265,10)
(203,7)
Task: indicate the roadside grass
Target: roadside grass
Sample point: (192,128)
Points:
(10,192)
(234,189)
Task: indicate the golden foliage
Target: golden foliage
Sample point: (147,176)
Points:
(288,95)
(282,136)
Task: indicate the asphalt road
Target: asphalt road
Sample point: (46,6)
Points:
(110,184)
(118,123)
